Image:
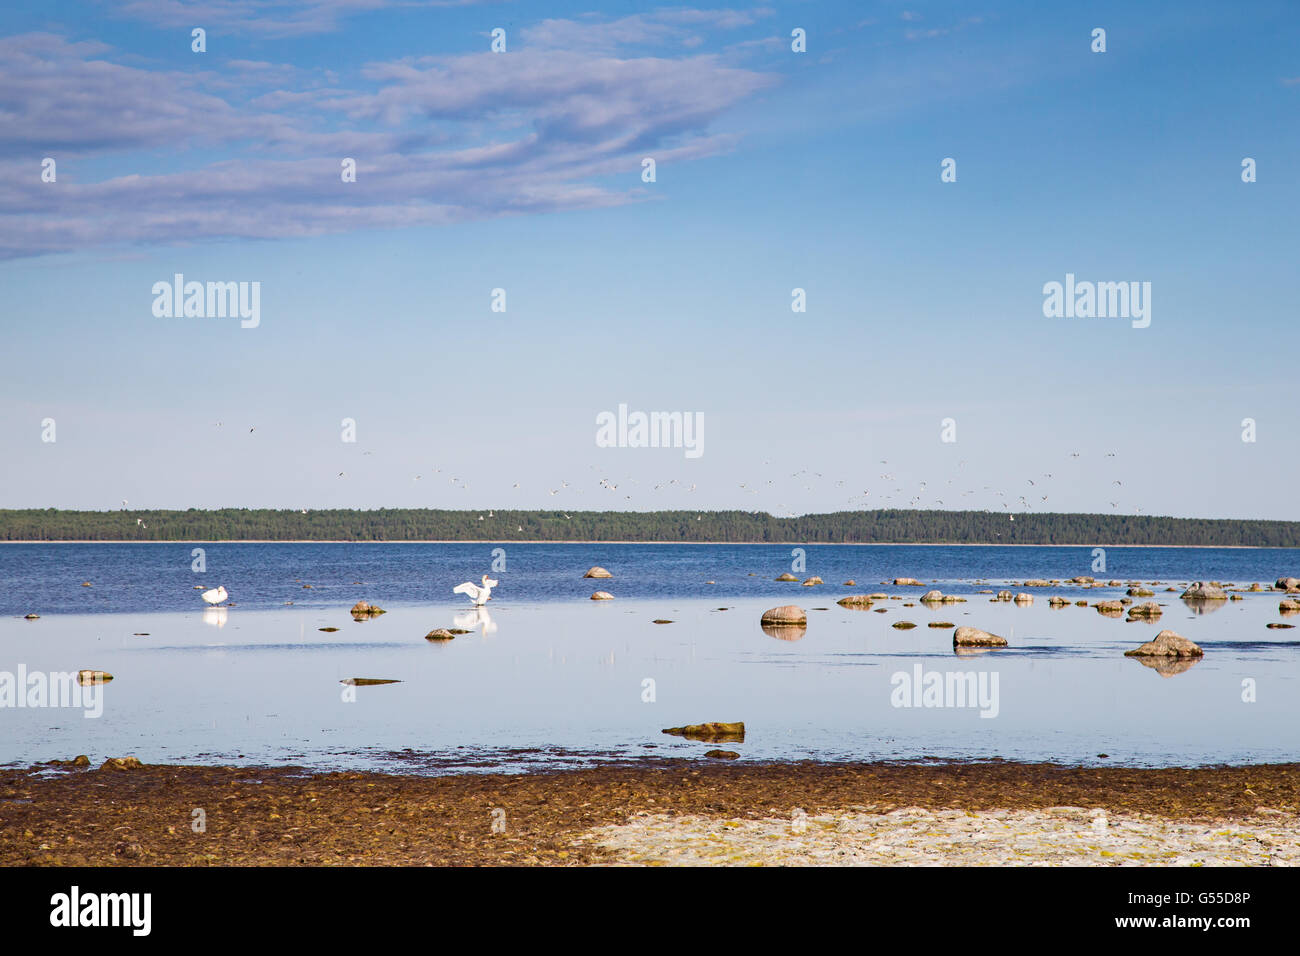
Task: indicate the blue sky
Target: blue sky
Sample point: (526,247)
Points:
(522,170)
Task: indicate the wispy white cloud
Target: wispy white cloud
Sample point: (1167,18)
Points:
(436,140)
(274,18)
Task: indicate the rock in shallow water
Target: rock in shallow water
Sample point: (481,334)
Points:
(367,681)
(598,572)
(733,731)
(1148,610)
(602,596)
(1204,591)
(1166,644)
(974,637)
(786,614)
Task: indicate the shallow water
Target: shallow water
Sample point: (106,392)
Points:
(548,682)
(47,578)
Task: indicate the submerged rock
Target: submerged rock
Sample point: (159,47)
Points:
(661,620)
(786,577)
(974,637)
(1148,610)
(903,625)
(718,731)
(32,617)
(722,754)
(1166,644)
(367,681)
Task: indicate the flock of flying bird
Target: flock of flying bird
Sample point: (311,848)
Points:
(1028,501)
(897,497)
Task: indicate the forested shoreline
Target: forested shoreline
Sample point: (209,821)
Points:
(895,526)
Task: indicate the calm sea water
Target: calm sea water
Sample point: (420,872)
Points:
(548,677)
(47,578)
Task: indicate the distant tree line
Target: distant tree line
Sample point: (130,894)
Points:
(420,524)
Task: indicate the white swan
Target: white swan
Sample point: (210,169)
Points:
(216,595)
(479,595)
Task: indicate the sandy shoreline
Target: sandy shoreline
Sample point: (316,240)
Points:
(656,813)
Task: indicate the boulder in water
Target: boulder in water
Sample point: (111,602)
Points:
(786,614)
(974,637)
(718,731)
(1166,644)
(1204,591)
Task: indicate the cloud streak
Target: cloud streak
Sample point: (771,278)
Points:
(437,140)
